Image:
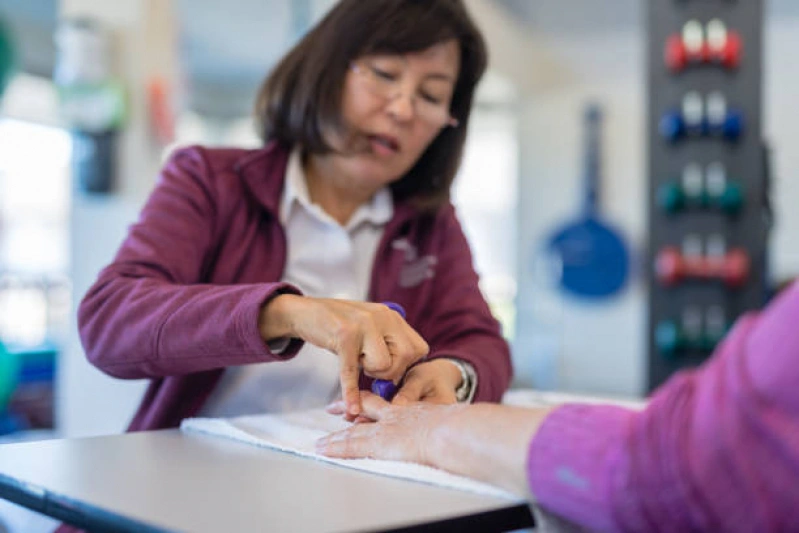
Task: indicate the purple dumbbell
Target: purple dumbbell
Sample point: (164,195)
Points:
(385,388)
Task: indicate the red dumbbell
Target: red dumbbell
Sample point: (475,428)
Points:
(672,267)
(695,45)
(676,56)
(733,268)
(722,47)
(686,48)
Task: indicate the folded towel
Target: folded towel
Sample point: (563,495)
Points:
(297,433)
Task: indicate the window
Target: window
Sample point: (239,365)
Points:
(34,231)
(485,195)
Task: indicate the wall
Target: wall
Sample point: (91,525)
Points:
(781,126)
(89,402)
(570,345)
(560,342)
(563,342)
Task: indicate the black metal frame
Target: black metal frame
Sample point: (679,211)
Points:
(745,161)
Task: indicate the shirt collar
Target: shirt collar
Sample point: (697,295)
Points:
(378,211)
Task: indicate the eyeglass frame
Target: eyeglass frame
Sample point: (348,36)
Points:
(450,122)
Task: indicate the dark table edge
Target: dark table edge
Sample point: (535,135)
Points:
(93,518)
(70,511)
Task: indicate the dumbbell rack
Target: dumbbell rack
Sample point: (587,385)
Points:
(707,186)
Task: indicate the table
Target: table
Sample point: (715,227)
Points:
(170,481)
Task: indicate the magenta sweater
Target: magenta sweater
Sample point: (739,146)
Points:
(717,449)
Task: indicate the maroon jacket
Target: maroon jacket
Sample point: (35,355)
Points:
(180,302)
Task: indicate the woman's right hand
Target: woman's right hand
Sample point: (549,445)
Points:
(363,335)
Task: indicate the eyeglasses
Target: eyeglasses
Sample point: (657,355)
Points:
(430,109)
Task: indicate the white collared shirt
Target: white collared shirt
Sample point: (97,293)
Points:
(343,271)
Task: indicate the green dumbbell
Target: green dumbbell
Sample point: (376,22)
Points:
(671,198)
(730,200)
(722,192)
(710,340)
(671,339)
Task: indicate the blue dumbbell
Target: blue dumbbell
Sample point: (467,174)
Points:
(720,119)
(689,120)
(694,120)
(730,126)
(672,126)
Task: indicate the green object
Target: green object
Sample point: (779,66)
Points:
(671,198)
(9,369)
(671,340)
(7,56)
(711,340)
(731,200)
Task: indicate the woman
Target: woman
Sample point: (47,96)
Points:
(247,268)
(717,449)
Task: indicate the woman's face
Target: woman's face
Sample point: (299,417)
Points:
(393,107)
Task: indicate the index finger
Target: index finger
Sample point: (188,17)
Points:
(349,388)
(349,357)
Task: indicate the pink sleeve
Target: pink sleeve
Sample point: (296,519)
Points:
(717,449)
(147,315)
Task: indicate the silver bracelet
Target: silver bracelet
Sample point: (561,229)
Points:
(465,392)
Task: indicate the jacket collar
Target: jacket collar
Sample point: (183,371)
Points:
(264,173)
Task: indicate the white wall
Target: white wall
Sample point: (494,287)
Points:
(560,342)
(563,342)
(570,345)
(781,126)
(89,402)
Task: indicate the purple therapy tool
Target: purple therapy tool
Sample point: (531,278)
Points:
(386,388)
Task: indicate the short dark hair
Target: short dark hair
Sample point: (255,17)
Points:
(301,98)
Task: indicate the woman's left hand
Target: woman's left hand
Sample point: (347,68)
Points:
(433,381)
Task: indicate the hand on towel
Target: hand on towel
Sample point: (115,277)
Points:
(484,441)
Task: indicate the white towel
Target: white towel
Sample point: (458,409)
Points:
(297,433)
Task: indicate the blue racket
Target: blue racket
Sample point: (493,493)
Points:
(593,258)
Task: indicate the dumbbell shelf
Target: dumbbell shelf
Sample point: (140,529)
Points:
(707,174)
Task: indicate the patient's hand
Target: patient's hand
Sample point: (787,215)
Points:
(400,433)
(484,441)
